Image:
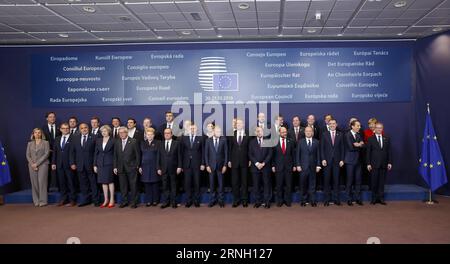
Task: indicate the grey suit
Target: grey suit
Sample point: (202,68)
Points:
(38,153)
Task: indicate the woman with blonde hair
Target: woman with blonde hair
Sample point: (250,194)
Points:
(103,165)
(370,130)
(38,150)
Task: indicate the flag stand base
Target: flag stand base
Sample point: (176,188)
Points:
(430,199)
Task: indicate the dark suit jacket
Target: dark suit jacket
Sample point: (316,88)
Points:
(378,157)
(98,135)
(138,135)
(192,156)
(308,157)
(169,161)
(329,152)
(284,161)
(104,157)
(83,157)
(291,134)
(238,154)
(47,135)
(352,153)
(61,157)
(150,157)
(259,154)
(128,159)
(216,159)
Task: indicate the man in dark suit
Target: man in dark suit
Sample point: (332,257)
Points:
(308,164)
(238,162)
(127,158)
(296,131)
(147,123)
(82,160)
(260,156)
(73,126)
(379,161)
(169,166)
(95,127)
(192,151)
(115,125)
(332,156)
(283,164)
(311,122)
(61,163)
(51,132)
(216,157)
(133,131)
(176,129)
(353,146)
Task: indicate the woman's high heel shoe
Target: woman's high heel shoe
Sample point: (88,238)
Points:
(111,205)
(105,204)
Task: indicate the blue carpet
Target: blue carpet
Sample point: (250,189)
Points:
(398,192)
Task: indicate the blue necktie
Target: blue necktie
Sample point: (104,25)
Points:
(63,143)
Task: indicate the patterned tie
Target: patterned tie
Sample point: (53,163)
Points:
(283,146)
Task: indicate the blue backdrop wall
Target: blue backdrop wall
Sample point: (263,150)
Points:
(403,121)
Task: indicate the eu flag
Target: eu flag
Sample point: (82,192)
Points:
(432,166)
(5,176)
(225,82)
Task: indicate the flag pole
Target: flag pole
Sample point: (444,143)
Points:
(430,193)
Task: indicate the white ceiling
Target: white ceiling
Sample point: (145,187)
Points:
(67,21)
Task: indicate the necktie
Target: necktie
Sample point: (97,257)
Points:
(124,143)
(84,141)
(52,131)
(167,146)
(169,126)
(71,132)
(296,133)
(240,138)
(379,142)
(115,132)
(192,140)
(332,137)
(63,142)
(215,143)
(259,142)
(283,146)
(309,143)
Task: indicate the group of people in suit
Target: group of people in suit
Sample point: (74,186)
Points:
(83,157)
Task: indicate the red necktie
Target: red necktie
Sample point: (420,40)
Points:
(283,146)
